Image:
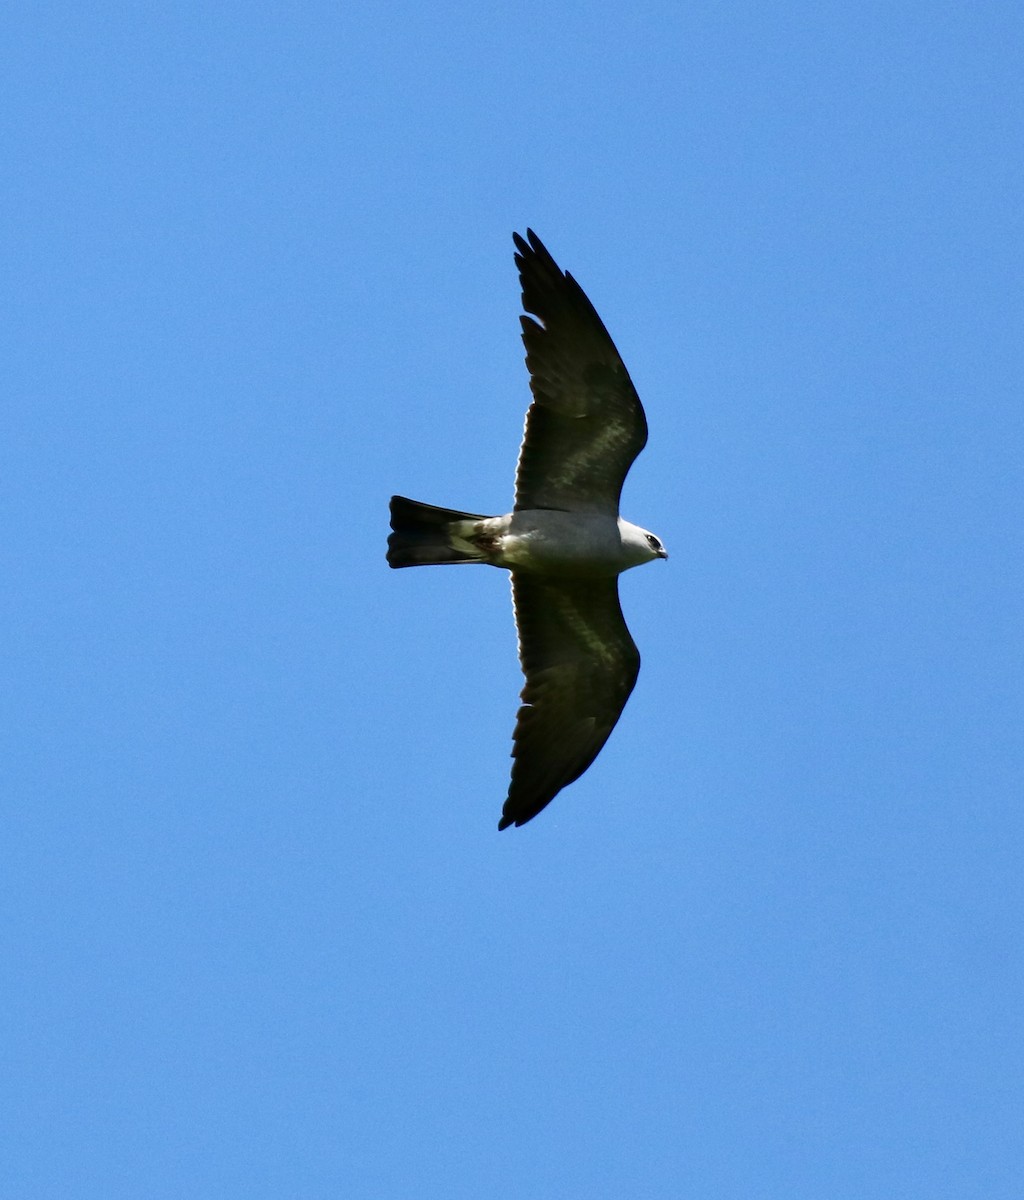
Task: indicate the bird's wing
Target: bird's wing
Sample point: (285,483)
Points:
(586,424)
(580,665)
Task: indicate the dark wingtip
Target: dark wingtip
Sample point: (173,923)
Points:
(520,815)
(532,245)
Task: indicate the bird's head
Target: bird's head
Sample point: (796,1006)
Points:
(640,545)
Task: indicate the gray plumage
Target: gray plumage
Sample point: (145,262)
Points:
(564,541)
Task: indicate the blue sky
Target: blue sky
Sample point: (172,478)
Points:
(260,936)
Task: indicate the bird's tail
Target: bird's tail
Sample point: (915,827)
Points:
(427,536)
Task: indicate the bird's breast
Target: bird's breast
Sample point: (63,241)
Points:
(561,543)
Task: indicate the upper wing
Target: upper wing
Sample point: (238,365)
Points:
(580,665)
(586,424)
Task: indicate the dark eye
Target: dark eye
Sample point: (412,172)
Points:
(653,542)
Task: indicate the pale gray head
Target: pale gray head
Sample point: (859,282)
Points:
(638,545)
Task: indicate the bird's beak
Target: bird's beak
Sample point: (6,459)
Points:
(663,553)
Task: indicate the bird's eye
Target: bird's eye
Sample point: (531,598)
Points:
(653,542)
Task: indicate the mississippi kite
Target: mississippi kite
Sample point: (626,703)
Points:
(564,541)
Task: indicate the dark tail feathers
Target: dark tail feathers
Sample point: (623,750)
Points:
(424,535)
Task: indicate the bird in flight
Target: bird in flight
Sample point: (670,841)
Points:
(564,541)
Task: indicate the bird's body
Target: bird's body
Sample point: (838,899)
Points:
(564,542)
(574,545)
